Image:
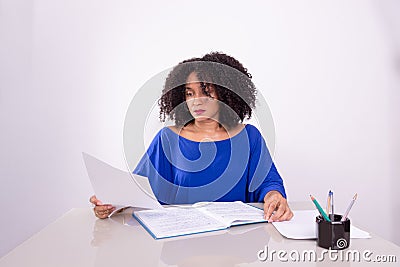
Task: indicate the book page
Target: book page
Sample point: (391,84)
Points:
(234,213)
(177,221)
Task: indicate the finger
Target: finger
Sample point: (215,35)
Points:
(97,202)
(278,213)
(97,213)
(101,212)
(269,209)
(291,215)
(103,208)
(101,215)
(287,215)
(93,199)
(106,211)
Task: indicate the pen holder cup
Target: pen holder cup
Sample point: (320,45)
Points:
(333,235)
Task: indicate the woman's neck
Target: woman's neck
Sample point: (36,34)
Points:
(207,126)
(200,131)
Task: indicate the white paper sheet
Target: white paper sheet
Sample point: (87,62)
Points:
(117,187)
(302,226)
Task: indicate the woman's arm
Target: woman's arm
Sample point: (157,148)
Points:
(265,181)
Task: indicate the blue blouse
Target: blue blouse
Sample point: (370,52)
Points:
(184,171)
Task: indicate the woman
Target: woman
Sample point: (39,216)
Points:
(209,155)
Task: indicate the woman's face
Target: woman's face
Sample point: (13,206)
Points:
(201,106)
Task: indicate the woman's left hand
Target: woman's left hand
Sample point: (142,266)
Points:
(276,208)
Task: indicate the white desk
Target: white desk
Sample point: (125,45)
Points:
(79,239)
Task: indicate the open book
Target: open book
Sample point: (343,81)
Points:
(198,218)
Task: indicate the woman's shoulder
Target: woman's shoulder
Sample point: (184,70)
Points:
(162,134)
(174,128)
(252,130)
(167,130)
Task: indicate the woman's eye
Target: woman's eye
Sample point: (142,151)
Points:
(189,94)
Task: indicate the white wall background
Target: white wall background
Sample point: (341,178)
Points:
(330,71)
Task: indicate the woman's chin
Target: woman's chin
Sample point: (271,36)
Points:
(205,119)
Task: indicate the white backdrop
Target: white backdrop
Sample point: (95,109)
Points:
(69,69)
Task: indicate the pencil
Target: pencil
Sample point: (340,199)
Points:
(320,209)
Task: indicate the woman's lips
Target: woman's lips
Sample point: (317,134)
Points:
(199,111)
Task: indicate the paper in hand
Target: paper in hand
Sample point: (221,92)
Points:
(119,188)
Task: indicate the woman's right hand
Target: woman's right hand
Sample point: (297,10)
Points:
(101,210)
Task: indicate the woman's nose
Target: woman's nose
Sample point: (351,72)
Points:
(200,99)
(197,100)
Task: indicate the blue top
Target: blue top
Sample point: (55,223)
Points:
(185,171)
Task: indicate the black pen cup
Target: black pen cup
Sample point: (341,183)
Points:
(334,234)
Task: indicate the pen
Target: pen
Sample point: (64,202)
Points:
(332,211)
(320,209)
(328,203)
(349,208)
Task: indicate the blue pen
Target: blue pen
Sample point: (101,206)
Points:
(331,198)
(328,203)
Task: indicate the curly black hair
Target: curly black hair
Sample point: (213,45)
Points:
(231,81)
